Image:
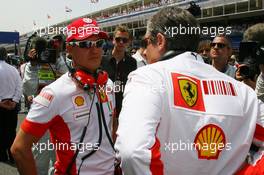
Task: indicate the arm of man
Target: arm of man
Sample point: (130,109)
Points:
(18,90)
(137,145)
(21,151)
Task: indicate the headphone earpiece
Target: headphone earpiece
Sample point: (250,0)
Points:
(88,81)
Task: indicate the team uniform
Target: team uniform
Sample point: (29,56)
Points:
(63,108)
(182,116)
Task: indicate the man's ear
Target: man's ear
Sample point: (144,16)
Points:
(161,42)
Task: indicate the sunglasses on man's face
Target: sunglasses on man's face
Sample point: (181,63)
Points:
(219,45)
(87,44)
(119,39)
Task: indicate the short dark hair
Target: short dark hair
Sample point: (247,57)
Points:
(255,33)
(169,17)
(3,53)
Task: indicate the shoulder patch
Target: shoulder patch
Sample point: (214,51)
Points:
(44,98)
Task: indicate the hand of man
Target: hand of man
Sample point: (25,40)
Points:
(30,99)
(8,104)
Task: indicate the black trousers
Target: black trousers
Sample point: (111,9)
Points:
(8,124)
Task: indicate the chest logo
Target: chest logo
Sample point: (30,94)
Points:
(79,101)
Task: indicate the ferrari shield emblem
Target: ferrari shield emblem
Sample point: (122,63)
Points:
(188,89)
(187,92)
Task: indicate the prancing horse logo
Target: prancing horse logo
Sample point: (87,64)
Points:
(188,90)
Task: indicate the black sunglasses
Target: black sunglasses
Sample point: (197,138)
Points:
(219,45)
(124,40)
(87,44)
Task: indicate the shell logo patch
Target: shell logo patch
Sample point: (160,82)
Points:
(79,101)
(187,92)
(209,142)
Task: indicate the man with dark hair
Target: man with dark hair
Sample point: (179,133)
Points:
(119,65)
(10,94)
(221,51)
(179,115)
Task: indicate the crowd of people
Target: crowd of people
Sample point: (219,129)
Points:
(131,112)
(137,8)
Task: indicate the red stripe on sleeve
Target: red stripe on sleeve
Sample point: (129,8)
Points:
(259,133)
(156,165)
(33,128)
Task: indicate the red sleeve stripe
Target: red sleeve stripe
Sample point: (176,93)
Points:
(33,128)
(259,133)
(156,165)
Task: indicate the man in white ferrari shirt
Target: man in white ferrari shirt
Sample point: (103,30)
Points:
(76,109)
(181,116)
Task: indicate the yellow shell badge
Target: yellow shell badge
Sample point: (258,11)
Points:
(188,90)
(209,142)
(79,101)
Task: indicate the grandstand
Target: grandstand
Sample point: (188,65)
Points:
(239,14)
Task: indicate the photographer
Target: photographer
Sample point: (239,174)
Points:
(256,33)
(41,70)
(250,71)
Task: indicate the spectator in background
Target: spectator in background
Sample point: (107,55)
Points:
(256,33)
(232,61)
(118,65)
(10,94)
(248,72)
(220,52)
(204,50)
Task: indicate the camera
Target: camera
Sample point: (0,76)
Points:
(46,52)
(251,55)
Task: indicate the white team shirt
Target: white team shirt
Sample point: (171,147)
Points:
(11,84)
(183,117)
(63,108)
